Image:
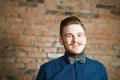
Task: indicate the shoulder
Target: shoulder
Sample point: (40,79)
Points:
(94,62)
(89,60)
(52,62)
(96,67)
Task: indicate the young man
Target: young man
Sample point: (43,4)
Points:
(73,65)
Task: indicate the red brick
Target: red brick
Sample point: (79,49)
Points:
(46,38)
(50,22)
(17,54)
(2,60)
(25,77)
(54,55)
(23,43)
(36,10)
(32,32)
(110,52)
(25,60)
(15,65)
(5,42)
(98,41)
(58,45)
(110,68)
(9,14)
(27,4)
(59,18)
(16,71)
(60,50)
(114,41)
(50,33)
(89,55)
(51,49)
(106,58)
(84,20)
(4,72)
(9,36)
(9,60)
(42,44)
(116,63)
(27,38)
(28,49)
(10,71)
(15,31)
(8,3)
(49,17)
(41,60)
(2,19)
(13,19)
(108,16)
(19,10)
(2,54)
(31,66)
(94,51)
(36,54)
(1,29)
(39,27)
(27,15)
(4,24)
(19,26)
(28,20)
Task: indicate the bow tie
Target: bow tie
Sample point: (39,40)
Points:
(80,58)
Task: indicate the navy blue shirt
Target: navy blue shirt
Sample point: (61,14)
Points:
(61,69)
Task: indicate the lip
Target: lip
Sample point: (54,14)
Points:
(76,45)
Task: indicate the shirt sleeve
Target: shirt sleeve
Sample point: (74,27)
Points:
(41,74)
(105,77)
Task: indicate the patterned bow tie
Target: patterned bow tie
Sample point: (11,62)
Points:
(80,58)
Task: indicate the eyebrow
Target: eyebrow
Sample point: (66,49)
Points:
(71,34)
(81,33)
(67,34)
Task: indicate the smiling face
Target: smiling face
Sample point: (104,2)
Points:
(73,39)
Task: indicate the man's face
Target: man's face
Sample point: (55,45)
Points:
(73,39)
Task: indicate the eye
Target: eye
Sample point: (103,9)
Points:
(80,35)
(68,35)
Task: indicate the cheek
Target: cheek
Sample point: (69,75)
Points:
(66,43)
(69,41)
(84,40)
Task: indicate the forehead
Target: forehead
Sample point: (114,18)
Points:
(73,28)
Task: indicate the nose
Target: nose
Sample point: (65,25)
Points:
(75,39)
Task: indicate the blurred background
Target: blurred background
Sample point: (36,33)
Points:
(29,34)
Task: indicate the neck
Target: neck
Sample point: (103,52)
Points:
(70,54)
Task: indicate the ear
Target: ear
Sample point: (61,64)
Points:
(61,41)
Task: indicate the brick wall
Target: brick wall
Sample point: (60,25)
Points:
(29,32)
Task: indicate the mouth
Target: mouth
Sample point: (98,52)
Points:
(75,45)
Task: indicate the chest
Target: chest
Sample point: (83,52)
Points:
(73,72)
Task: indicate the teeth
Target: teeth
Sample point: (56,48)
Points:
(75,45)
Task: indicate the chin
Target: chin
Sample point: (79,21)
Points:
(75,53)
(78,53)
